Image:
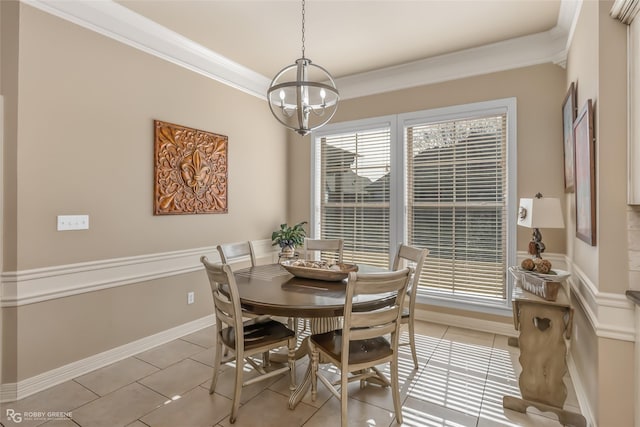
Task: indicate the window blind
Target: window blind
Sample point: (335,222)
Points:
(354,193)
(456,204)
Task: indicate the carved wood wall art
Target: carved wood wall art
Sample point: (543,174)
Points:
(190,171)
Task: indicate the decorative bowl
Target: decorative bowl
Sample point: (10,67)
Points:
(559,275)
(318,270)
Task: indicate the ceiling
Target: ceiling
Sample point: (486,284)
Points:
(368,46)
(346,37)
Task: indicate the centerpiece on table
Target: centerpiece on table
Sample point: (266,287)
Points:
(288,238)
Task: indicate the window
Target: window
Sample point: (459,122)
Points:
(353,192)
(456,203)
(442,179)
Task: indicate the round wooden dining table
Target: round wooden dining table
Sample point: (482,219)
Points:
(271,289)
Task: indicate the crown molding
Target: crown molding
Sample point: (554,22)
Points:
(110,19)
(119,23)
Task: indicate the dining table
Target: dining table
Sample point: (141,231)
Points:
(270,289)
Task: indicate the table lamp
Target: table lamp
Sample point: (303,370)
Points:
(539,213)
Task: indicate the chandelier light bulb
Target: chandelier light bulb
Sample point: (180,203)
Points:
(317,94)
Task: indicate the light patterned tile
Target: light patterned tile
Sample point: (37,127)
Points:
(178,379)
(66,422)
(205,337)
(64,397)
(271,409)
(469,336)
(419,413)
(382,396)
(359,414)
(467,358)
(110,378)
(169,353)
(462,379)
(205,356)
(195,408)
(429,329)
(449,388)
(119,408)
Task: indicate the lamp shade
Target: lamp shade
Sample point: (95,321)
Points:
(542,212)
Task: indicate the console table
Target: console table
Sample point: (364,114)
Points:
(543,327)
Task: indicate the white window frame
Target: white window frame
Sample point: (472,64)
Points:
(398,208)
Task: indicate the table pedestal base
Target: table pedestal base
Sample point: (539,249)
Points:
(565,417)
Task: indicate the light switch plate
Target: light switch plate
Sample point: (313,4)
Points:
(73,222)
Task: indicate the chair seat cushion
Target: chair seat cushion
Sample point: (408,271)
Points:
(257,334)
(360,351)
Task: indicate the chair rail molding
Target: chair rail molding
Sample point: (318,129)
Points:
(611,315)
(42,284)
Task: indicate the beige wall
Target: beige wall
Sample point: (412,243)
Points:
(8,90)
(597,63)
(79,140)
(86,146)
(70,329)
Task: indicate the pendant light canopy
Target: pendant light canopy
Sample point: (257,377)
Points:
(303,96)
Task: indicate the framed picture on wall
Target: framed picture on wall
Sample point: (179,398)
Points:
(568,117)
(585,185)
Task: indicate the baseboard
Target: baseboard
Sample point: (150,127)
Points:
(489,326)
(12,391)
(585,407)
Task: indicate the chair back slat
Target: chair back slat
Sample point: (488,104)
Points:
(373,318)
(226,298)
(411,256)
(223,309)
(378,323)
(230,252)
(326,247)
(369,333)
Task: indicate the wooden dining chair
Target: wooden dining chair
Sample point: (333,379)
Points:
(230,252)
(332,247)
(243,339)
(414,257)
(362,342)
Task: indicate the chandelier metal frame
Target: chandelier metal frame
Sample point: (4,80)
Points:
(316,101)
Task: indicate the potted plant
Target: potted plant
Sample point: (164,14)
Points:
(289,237)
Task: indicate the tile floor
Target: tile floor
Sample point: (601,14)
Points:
(462,377)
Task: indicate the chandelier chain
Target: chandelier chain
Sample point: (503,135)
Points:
(303,28)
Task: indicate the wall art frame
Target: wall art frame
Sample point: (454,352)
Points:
(585,182)
(190,170)
(569,113)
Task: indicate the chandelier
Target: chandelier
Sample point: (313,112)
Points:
(303,96)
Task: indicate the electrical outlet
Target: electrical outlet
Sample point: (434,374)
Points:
(190,297)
